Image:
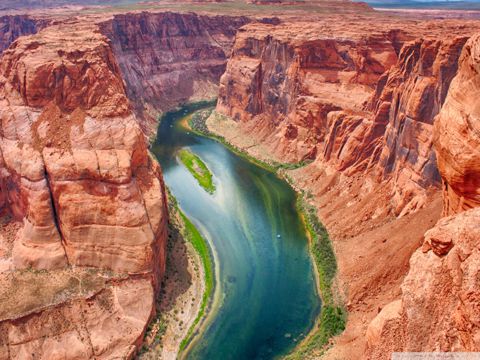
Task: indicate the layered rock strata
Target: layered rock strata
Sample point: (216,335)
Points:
(354,100)
(169,58)
(76,172)
(12,27)
(438,307)
(457,135)
(362,108)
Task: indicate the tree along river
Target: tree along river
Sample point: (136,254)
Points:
(265,298)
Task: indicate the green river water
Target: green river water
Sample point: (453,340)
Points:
(265,295)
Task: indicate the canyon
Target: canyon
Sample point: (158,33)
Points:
(169,59)
(383,125)
(378,128)
(83,204)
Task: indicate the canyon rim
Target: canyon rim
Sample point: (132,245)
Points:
(371,116)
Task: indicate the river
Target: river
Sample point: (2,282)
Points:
(265,294)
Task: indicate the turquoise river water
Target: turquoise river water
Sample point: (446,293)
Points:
(265,294)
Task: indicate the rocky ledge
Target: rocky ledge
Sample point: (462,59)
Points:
(83,202)
(379,122)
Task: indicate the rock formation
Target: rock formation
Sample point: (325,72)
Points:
(169,58)
(438,308)
(384,122)
(351,99)
(405,103)
(76,172)
(362,108)
(11,27)
(457,135)
(286,80)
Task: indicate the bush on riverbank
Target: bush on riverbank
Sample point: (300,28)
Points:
(333,316)
(198,124)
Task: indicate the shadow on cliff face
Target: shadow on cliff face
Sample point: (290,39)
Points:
(179,300)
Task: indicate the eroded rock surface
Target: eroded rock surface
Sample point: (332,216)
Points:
(457,135)
(440,295)
(169,58)
(347,98)
(440,298)
(362,108)
(12,27)
(76,172)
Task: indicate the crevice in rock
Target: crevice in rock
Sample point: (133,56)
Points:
(56,219)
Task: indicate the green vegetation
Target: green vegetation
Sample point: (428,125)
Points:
(198,125)
(180,228)
(200,245)
(321,248)
(198,169)
(333,316)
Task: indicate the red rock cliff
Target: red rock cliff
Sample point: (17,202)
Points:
(362,106)
(170,58)
(457,135)
(407,99)
(438,308)
(12,27)
(76,172)
(351,99)
(283,81)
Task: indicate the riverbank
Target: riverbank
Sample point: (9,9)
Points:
(333,315)
(186,289)
(197,124)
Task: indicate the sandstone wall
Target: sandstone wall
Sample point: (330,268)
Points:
(12,27)
(405,103)
(354,100)
(170,58)
(282,82)
(438,308)
(457,135)
(75,170)
(374,111)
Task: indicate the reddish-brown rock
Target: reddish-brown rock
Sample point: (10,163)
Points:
(457,135)
(353,100)
(282,82)
(76,171)
(12,27)
(405,103)
(170,58)
(440,295)
(366,116)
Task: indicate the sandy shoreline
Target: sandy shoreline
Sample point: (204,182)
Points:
(180,298)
